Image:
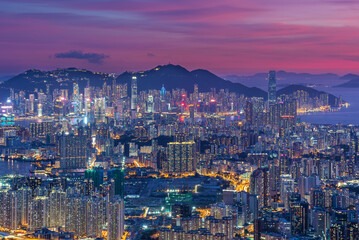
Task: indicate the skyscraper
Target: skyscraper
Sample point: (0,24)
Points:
(272,87)
(134,93)
(41,129)
(38,213)
(115,220)
(150,107)
(95,217)
(181,157)
(100,109)
(96,175)
(299,217)
(73,151)
(118,177)
(76,98)
(259,185)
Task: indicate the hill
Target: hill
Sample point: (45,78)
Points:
(353,83)
(311,91)
(287,78)
(59,78)
(175,76)
(171,76)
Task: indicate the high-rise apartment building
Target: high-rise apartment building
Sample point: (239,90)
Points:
(181,157)
(115,219)
(73,151)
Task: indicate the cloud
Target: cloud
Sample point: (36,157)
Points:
(351,58)
(150,55)
(96,58)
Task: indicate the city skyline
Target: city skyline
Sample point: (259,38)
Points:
(179,120)
(230,37)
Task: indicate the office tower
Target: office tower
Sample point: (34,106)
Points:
(96,175)
(12,94)
(324,98)
(320,221)
(258,104)
(59,108)
(257,228)
(41,129)
(150,104)
(272,88)
(73,151)
(337,231)
(274,180)
(118,177)
(299,217)
(115,219)
(64,94)
(163,93)
(31,103)
(259,185)
(76,98)
(181,157)
(100,109)
(191,112)
(39,110)
(274,114)
(195,90)
(288,113)
(39,215)
(248,112)
(122,90)
(286,186)
(134,93)
(317,198)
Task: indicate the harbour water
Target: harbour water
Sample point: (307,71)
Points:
(14,167)
(345,116)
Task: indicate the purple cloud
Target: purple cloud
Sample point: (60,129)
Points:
(96,58)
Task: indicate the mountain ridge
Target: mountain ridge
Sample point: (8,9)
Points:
(170,75)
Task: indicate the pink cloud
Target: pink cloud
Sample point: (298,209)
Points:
(226,37)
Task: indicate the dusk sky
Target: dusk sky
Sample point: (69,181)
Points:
(224,36)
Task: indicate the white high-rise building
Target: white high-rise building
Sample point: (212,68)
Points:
(134,93)
(150,107)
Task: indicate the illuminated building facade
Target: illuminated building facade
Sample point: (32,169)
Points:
(272,88)
(181,157)
(73,151)
(134,97)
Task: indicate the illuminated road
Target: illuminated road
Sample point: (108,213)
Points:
(237,181)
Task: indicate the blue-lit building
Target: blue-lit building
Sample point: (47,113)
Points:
(272,87)
(7,120)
